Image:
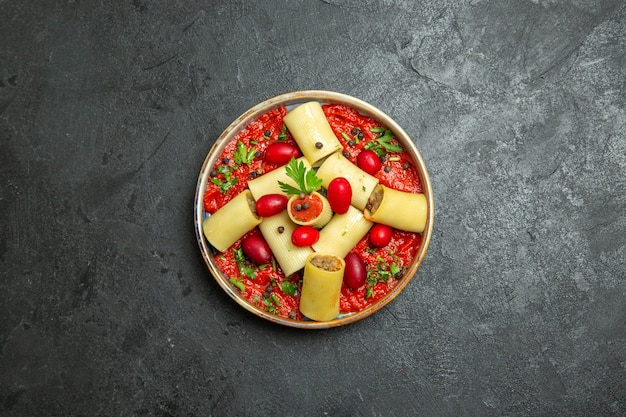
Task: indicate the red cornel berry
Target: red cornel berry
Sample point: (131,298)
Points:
(339,195)
(280,153)
(304,236)
(368,161)
(271,204)
(380,235)
(355,273)
(257,250)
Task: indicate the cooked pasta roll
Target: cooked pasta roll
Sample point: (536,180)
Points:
(342,233)
(268,183)
(312,132)
(277,233)
(312,210)
(399,209)
(362,183)
(321,286)
(233,220)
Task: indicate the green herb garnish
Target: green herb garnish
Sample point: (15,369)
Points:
(243,155)
(382,144)
(381,272)
(244,266)
(283,134)
(240,156)
(271,304)
(305,179)
(238,283)
(289,288)
(226,184)
(248,272)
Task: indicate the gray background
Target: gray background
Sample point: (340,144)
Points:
(107,110)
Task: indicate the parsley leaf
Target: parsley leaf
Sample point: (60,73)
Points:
(238,283)
(381,272)
(271,304)
(244,266)
(242,155)
(306,179)
(283,134)
(239,256)
(382,144)
(248,272)
(225,185)
(289,288)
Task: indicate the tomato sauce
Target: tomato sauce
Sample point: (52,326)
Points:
(266,286)
(314,204)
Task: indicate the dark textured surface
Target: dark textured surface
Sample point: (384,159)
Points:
(108,110)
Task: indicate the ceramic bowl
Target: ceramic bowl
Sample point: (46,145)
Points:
(290,100)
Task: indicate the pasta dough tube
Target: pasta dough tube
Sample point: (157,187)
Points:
(312,132)
(399,209)
(321,286)
(230,222)
(291,258)
(268,183)
(362,183)
(342,233)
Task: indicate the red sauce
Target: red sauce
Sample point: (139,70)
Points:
(263,286)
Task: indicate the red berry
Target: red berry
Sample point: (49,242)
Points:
(368,161)
(354,274)
(305,236)
(339,195)
(271,204)
(280,153)
(380,235)
(256,249)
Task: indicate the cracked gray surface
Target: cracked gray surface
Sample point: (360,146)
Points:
(108,110)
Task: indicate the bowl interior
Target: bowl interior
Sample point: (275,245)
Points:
(290,100)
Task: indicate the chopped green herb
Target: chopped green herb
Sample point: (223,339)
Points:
(381,272)
(271,304)
(238,283)
(225,185)
(244,266)
(289,288)
(248,272)
(243,155)
(224,170)
(382,144)
(283,134)
(306,179)
(239,256)
(228,182)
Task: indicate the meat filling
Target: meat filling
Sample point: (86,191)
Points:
(374,200)
(326,262)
